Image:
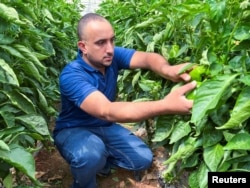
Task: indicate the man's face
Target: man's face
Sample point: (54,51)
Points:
(98,45)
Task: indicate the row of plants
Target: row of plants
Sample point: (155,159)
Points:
(37,38)
(214,36)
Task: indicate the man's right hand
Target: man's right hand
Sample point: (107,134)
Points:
(176,101)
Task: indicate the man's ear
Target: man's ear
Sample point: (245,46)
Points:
(82,46)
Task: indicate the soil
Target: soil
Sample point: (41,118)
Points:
(54,172)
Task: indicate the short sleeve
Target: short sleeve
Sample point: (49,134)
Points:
(122,56)
(72,84)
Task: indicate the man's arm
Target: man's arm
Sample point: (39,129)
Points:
(99,106)
(159,65)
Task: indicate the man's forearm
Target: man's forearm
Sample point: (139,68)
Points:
(133,111)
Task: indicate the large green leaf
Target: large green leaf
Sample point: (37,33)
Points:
(31,70)
(12,51)
(7,75)
(8,112)
(217,10)
(35,122)
(211,136)
(192,179)
(164,126)
(10,14)
(242,33)
(30,56)
(202,175)
(209,94)
(4,39)
(213,156)
(21,159)
(181,129)
(21,101)
(241,111)
(47,13)
(240,141)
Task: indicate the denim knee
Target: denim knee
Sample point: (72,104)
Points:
(81,148)
(144,161)
(92,154)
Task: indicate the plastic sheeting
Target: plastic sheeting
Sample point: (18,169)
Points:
(90,5)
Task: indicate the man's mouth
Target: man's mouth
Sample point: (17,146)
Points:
(108,58)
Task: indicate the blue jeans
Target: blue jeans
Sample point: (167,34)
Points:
(87,150)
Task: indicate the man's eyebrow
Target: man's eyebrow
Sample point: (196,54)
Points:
(105,39)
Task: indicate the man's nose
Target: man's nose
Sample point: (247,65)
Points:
(110,47)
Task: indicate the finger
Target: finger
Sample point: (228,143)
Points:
(187,87)
(186,77)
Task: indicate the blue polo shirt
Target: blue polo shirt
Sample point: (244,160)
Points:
(78,80)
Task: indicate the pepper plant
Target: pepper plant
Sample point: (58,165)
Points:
(212,34)
(36,39)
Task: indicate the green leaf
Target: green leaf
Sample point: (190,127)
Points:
(213,156)
(48,14)
(184,151)
(21,101)
(41,56)
(174,51)
(8,181)
(241,111)
(202,175)
(239,159)
(10,131)
(187,68)
(30,56)
(136,78)
(4,39)
(8,117)
(31,70)
(10,14)
(7,75)
(164,128)
(217,10)
(4,146)
(35,122)
(180,130)
(211,136)
(209,94)
(193,179)
(42,99)
(144,86)
(191,161)
(21,159)
(149,22)
(242,33)
(240,141)
(12,51)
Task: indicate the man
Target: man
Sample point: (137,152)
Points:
(86,132)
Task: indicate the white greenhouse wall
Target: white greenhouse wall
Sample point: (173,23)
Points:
(90,5)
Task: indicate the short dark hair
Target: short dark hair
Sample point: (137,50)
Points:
(85,20)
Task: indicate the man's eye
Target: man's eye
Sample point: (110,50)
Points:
(100,42)
(113,40)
